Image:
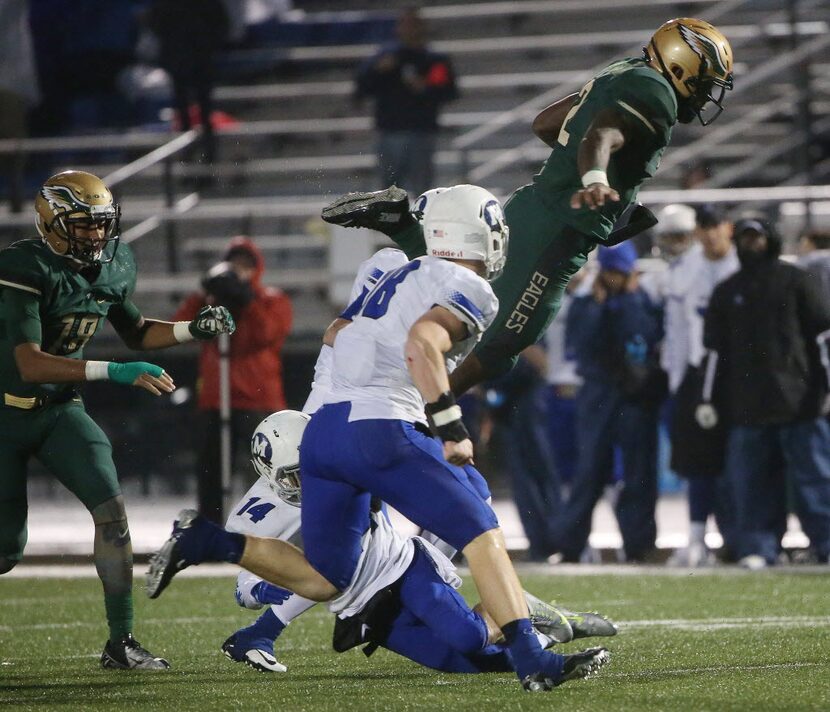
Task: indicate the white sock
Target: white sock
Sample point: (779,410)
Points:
(288,610)
(544,640)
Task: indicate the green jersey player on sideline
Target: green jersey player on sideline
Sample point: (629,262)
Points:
(54,293)
(606,140)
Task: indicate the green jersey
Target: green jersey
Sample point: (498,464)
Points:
(44,300)
(648,101)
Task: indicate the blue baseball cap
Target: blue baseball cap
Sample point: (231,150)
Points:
(622,257)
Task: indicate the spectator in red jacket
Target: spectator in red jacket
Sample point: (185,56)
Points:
(263,319)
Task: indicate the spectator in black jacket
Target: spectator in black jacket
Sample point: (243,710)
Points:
(767,327)
(409,83)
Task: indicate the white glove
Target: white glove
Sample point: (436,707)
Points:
(706,416)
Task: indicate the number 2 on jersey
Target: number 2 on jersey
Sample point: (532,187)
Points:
(563,134)
(378,300)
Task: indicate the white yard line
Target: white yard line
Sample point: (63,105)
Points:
(730,669)
(697,624)
(73,571)
(78,571)
(703,624)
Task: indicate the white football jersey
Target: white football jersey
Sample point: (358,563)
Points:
(261,512)
(368,275)
(692,279)
(385,556)
(369,368)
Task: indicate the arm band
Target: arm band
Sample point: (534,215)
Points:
(97,370)
(181,332)
(445,415)
(595,175)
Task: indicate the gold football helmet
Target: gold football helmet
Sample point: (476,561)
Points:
(77,217)
(697,59)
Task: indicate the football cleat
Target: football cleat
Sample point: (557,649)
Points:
(588,625)
(168,560)
(128,654)
(577,666)
(548,620)
(384,210)
(257,654)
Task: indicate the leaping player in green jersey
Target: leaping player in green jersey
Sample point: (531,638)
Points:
(54,293)
(606,140)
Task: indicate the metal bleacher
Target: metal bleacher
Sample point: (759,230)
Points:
(300,140)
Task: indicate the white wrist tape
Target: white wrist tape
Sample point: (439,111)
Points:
(97,370)
(181,331)
(595,175)
(446,416)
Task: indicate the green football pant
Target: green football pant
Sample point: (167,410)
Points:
(69,444)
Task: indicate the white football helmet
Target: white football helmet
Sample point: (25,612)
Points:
(275,452)
(466,222)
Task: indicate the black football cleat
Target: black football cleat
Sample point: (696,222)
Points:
(577,667)
(169,560)
(386,211)
(128,654)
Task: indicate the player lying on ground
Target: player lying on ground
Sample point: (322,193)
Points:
(54,293)
(271,508)
(607,140)
(389,365)
(403,594)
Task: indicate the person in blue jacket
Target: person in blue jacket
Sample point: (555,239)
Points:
(613,334)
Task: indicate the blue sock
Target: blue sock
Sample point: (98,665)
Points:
(527,653)
(267,626)
(268,593)
(204,541)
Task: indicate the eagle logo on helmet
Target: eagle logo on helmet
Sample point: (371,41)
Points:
(59,198)
(703,47)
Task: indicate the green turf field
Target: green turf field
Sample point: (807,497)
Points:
(734,641)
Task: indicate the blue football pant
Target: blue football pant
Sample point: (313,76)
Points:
(436,627)
(344,463)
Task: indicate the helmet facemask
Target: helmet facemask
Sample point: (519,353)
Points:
(87,250)
(702,102)
(287,485)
